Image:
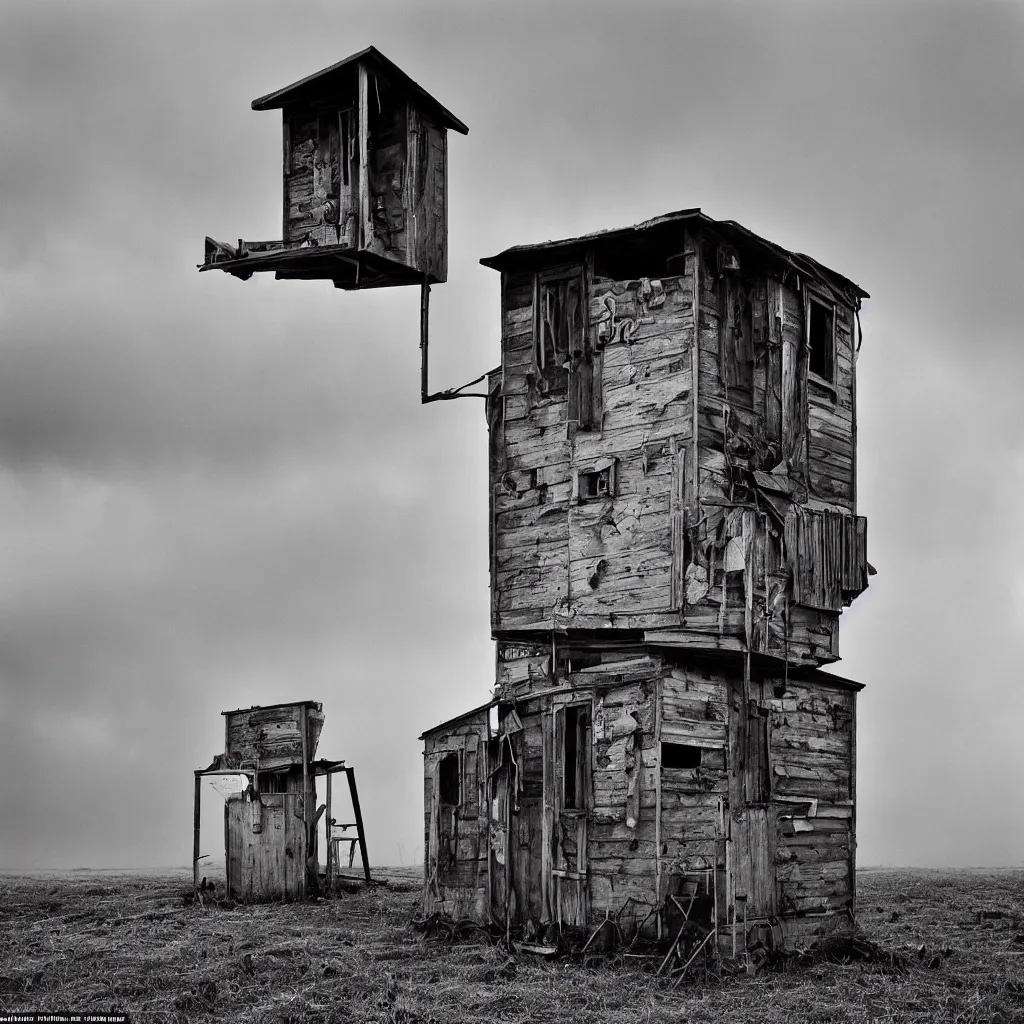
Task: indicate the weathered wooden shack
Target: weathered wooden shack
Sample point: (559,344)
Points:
(365,191)
(271,819)
(673,536)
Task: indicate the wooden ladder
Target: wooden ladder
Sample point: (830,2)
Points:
(338,833)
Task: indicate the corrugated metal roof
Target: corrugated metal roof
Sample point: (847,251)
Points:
(523,256)
(329,77)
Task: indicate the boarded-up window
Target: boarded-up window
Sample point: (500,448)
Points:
(757,770)
(738,337)
(470,779)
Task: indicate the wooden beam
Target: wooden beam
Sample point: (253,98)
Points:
(330,840)
(358,814)
(362,154)
(197,799)
(307,852)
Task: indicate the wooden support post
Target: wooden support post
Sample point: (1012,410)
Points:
(197,799)
(365,235)
(358,814)
(658,697)
(328,832)
(308,851)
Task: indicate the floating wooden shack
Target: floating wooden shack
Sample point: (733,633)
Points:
(673,536)
(364,181)
(270,815)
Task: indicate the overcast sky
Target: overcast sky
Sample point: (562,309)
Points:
(217,493)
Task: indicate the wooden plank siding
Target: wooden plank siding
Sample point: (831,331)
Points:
(558,558)
(456,841)
(812,757)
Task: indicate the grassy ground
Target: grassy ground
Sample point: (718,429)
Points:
(105,941)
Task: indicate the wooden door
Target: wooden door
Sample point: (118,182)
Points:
(752,829)
(570,795)
(754,873)
(499,828)
(266,848)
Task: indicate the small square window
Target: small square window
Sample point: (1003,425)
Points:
(594,484)
(821,340)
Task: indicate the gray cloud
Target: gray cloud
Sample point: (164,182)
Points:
(217,493)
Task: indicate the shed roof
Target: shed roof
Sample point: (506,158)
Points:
(521,257)
(273,707)
(332,77)
(458,718)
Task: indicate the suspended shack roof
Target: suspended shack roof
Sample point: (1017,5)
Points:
(338,76)
(663,231)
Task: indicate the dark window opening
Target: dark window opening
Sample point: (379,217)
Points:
(346,146)
(598,483)
(574,745)
(820,339)
(571,755)
(448,780)
(680,755)
(274,782)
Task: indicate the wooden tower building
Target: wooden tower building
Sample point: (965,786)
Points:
(673,536)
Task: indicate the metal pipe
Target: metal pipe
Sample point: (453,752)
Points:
(424,320)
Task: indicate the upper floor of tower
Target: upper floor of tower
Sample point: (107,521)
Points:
(673,440)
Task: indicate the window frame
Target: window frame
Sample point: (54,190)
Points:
(557,275)
(608,466)
(460,781)
(828,303)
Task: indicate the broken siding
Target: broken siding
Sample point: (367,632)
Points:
(694,713)
(269,738)
(623,827)
(456,843)
(426,196)
(559,557)
(812,757)
(621,545)
(530,480)
(301,144)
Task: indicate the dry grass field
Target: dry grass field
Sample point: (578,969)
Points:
(107,941)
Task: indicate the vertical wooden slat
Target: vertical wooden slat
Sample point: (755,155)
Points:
(363,155)
(286,172)
(547,776)
(196,800)
(658,713)
(307,851)
(327,833)
(695,371)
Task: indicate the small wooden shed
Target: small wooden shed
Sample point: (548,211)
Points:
(364,182)
(270,821)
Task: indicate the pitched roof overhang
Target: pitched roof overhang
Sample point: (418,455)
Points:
(329,78)
(525,257)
